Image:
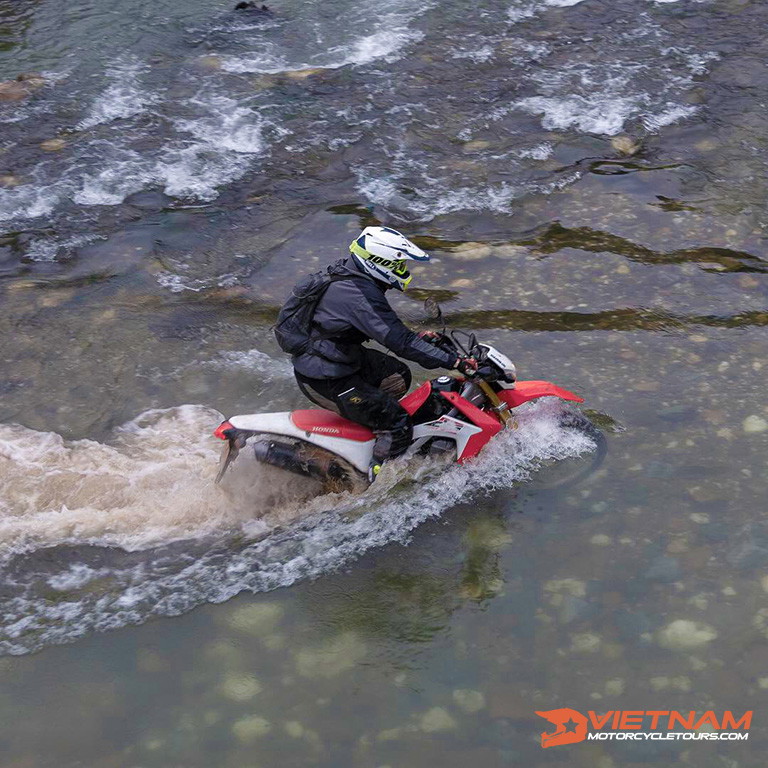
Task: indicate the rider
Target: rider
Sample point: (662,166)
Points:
(338,373)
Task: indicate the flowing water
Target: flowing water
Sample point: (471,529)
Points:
(591,179)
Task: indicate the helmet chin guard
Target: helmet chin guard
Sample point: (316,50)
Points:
(384,254)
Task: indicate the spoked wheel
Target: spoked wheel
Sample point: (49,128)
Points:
(569,472)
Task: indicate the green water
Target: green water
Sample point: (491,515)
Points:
(142,265)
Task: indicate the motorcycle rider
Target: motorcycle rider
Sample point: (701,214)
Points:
(338,373)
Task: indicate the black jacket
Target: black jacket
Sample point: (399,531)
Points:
(352,312)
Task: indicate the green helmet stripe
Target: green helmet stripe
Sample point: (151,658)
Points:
(358,250)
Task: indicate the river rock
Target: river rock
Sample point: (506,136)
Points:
(469,701)
(471,251)
(437,719)
(303,74)
(250,729)
(9,181)
(754,424)
(294,729)
(664,569)
(250,7)
(240,687)
(476,146)
(149,200)
(256,619)
(585,642)
(332,657)
(682,635)
(12,90)
(509,251)
(53,145)
(24,85)
(625,145)
(210,62)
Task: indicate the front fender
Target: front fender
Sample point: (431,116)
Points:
(532,390)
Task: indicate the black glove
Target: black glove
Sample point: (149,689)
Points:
(467,366)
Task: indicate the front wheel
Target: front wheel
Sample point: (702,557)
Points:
(569,472)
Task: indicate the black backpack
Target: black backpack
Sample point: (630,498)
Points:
(294,321)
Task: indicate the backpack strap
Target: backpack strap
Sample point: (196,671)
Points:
(321,335)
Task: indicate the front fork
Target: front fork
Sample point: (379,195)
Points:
(500,408)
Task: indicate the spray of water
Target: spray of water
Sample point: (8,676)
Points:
(113,533)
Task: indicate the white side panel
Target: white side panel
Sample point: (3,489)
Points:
(448,427)
(356,452)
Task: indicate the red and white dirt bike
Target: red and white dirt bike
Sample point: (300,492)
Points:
(450,414)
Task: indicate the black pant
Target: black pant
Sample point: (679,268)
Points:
(369,397)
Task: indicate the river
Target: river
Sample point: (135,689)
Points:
(591,179)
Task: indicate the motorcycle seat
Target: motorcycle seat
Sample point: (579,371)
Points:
(324,422)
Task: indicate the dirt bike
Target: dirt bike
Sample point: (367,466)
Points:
(450,414)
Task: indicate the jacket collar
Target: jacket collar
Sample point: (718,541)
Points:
(348,264)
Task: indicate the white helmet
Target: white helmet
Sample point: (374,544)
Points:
(383,253)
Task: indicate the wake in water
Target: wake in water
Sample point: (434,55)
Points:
(115,533)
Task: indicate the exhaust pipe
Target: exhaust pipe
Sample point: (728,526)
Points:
(286,456)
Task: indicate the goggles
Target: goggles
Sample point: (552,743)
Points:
(400,268)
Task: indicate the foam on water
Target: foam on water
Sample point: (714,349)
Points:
(124,98)
(636,77)
(152,485)
(363,38)
(30,201)
(525,9)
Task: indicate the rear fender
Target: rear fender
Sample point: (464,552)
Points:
(525,391)
(357,453)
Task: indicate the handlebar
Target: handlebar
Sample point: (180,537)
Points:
(451,345)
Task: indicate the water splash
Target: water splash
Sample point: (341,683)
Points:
(124,98)
(178,541)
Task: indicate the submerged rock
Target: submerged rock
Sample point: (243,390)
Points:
(683,634)
(558,588)
(256,619)
(471,251)
(13,91)
(468,700)
(53,145)
(294,729)
(754,424)
(664,569)
(210,61)
(625,145)
(9,181)
(248,6)
(332,657)
(437,719)
(303,74)
(24,85)
(240,687)
(250,729)
(586,642)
